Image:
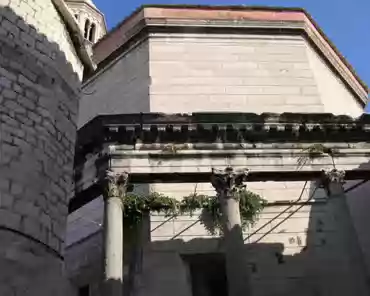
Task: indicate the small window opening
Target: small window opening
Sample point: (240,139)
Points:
(92,33)
(87,28)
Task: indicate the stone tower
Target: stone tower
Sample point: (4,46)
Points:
(89,18)
(42,59)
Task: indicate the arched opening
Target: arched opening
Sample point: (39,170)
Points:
(87,28)
(76,16)
(92,33)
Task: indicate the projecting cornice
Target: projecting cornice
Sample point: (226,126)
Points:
(153,129)
(224,20)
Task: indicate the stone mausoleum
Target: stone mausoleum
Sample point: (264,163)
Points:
(180,90)
(161,101)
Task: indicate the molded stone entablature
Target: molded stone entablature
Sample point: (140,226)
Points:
(223,128)
(270,148)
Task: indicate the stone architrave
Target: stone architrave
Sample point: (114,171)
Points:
(115,189)
(228,184)
(349,277)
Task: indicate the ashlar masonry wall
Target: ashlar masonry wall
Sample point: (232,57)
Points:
(123,87)
(40,76)
(246,73)
(181,73)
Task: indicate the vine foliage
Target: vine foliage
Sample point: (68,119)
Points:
(136,206)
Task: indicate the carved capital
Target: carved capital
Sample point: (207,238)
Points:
(115,184)
(334,176)
(331,177)
(228,181)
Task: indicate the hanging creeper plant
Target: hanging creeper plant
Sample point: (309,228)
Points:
(135,206)
(250,205)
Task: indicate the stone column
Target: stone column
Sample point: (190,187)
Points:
(348,275)
(115,189)
(228,184)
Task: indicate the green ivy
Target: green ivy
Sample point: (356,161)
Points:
(135,206)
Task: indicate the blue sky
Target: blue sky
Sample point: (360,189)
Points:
(345,22)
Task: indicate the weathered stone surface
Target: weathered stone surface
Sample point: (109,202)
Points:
(30,269)
(196,72)
(288,241)
(32,195)
(136,81)
(259,74)
(249,73)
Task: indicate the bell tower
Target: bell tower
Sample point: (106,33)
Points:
(89,18)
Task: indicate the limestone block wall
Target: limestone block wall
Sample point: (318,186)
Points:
(181,73)
(121,88)
(187,228)
(285,247)
(287,255)
(246,73)
(292,236)
(335,96)
(40,75)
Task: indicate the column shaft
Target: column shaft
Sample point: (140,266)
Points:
(115,190)
(227,184)
(113,246)
(349,275)
(235,254)
(354,262)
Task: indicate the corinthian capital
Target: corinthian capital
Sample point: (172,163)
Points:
(228,181)
(115,183)
(334,175)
